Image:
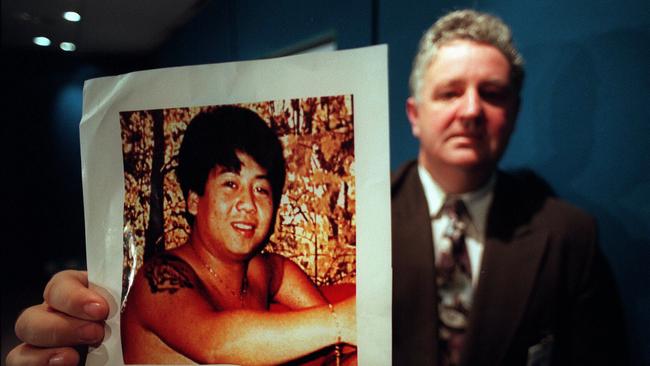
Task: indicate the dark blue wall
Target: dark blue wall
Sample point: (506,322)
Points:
(243,30)
(41,160)
(583,125)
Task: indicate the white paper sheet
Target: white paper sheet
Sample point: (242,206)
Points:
(361,73)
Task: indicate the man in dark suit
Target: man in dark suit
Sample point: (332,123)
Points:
(488,268)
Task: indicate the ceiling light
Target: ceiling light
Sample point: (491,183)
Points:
(71,16)
(68,46)
(42,41)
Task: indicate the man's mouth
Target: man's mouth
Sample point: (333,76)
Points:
(244,228)
(466,136)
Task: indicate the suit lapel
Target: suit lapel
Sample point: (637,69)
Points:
(414,292)
(513,253)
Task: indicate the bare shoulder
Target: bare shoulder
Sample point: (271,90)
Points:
(164,284)
(168,273)
(290,285)
(163,279)
(277,263)
(151,320)
(274,269)
(272,260)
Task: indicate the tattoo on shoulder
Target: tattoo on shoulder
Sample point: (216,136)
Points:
(168,273)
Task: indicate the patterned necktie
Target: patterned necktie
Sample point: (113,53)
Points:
(454,280)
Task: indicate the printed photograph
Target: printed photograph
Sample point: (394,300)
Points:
(239,234)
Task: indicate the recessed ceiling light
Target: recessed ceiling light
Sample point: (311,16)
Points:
(72,16)
(68,46)
(42,41)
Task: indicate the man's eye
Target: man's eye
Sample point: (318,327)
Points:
(230,184)
(263,191)
(495,95)
(446,95)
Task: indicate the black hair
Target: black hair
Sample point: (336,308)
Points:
(214,137)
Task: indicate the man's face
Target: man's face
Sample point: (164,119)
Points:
(466,108)
(234,215)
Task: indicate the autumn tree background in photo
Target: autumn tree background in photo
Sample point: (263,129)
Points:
(315,226)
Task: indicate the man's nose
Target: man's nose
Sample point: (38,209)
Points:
(246,201)
(470,107)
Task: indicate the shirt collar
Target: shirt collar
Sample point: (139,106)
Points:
(477,202)
(434,194)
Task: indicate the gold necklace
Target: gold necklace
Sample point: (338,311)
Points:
(244,286)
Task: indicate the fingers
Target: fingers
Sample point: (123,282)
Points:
(68,293)
(42,326)
(25,354)
(71,315)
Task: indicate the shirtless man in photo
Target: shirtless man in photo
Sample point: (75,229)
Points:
(208,301)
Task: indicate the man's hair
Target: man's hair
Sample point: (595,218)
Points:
(214,137)
(466,25)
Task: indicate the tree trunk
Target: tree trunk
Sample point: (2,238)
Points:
(154,238)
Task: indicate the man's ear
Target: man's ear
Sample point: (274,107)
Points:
(192,203)
(412,114)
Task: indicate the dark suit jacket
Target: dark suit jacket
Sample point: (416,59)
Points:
(543,281)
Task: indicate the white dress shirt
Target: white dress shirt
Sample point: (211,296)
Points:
(477,203)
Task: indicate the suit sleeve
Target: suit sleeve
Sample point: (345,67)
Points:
(596,334)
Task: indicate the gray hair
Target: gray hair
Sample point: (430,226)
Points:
(466,25)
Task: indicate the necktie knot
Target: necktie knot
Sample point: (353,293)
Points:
(457,213)
(455,207)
